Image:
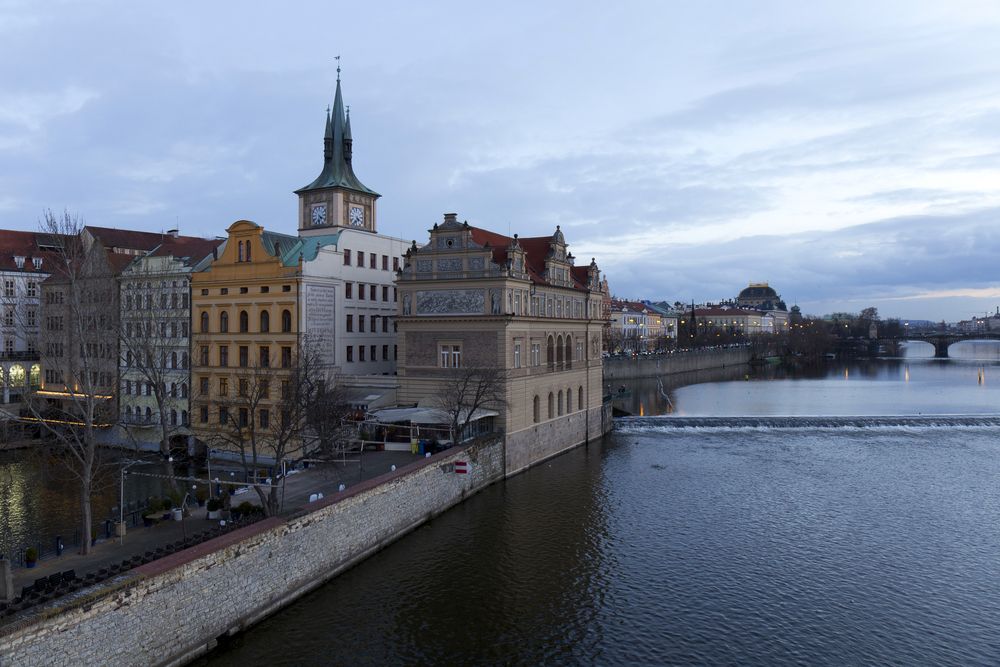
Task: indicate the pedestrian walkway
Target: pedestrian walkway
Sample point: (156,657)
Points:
(325,478)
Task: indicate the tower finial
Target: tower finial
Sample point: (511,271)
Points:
(337,58)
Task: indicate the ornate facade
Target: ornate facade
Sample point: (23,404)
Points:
(472,298)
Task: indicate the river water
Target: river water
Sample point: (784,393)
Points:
(846,516)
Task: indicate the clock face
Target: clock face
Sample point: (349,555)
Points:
(357,216)
(319,215)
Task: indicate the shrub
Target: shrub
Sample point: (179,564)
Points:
(246,507)
(31,554)
(155,505)
(214,505)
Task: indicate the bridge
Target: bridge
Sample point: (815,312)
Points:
(942,340)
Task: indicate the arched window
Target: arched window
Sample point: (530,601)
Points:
(248,251)
(559,353)
(224,322)
(560,404)
(550,353)
(569,401)
(579,398)
(128,412)
(173,360)
(537,409)
(568,355)
(184,390)
(265,321)
(173,390)
(244,322)
(184,417)
(149,413)
(552,406)
(184,360)
(286,321)
(240,253)
(173,418)
(204,322)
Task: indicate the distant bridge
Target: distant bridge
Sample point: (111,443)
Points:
(942,340)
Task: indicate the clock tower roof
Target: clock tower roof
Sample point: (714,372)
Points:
(337,170)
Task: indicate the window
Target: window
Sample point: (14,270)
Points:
(244,290)
(204,292)
(536,354)
(361,258)
(559,405)
(372,322)
(371,292)
(204,322)
(223,291)
(385,353)
(361,291)
(451,356)
(243,388)
(265,321)
(350,322)
(223,386)
(173,418)
(264,289)
(286,288)
(579,398)
(248,251)
(204,355)
(385,262)
(265,356)
(348,290)
(203,385)
(385,325)
(8,288)
(286,321)
(385,292)
(224,322)
(223,355)
(517,354)
(372,351)
(347,257)
(244,417)
(286,357)
(361,323)
(31,317)
(569,401)
(239,256)
(552,406)
(350,353)
(264,418)
(395,263)
(537,409)
(32,286)
(244,356)
(372,261)
(361,352)
(185,361)
(223,415)
(244,322)
(203,414)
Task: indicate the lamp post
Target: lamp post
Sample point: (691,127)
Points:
(121,501)
(184,509)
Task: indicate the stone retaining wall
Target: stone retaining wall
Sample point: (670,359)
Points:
(632,368)
(171,610)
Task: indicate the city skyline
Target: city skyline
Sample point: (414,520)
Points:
(839,152)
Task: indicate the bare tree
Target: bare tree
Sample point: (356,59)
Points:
(277,414)
(78,350)
(468,391)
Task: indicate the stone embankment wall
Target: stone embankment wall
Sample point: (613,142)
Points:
(632,368)
(544,440)
(170,611)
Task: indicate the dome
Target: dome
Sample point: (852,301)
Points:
(758,291)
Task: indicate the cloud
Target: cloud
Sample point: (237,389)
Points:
(32,111)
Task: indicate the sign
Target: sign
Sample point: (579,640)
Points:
(461,467)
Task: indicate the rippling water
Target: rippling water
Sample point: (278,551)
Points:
(757,539)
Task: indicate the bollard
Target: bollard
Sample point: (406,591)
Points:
(342,487)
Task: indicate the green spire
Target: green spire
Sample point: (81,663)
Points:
(337,170)
(348,142)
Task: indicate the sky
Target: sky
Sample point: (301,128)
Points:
(847,153)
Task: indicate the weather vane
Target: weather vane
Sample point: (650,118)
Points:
(337,58)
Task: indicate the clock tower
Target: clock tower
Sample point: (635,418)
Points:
(336,198)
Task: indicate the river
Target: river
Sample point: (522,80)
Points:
(843,518)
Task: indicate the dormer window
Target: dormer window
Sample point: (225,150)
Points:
(37,261)
(19,261)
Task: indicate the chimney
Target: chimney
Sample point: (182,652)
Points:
(173,232)
(450,217)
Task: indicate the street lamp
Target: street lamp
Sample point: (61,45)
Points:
(121,501)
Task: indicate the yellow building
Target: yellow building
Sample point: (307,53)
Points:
(245,321)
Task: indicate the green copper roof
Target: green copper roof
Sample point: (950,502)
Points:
(307,248)
(337,171)
(276,244)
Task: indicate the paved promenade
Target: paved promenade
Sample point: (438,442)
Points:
(324,479)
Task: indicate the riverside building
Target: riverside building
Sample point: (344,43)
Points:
(472,298)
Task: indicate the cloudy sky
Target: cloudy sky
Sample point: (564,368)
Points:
(846,152)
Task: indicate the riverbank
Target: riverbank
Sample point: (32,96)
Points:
(175,608)
(624,368)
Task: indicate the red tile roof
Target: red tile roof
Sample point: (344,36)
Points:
(536,250)
(24,244)
(127,238)
(188,248)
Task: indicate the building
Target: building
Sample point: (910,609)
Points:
(154,359)
(26,259)
(473,299)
